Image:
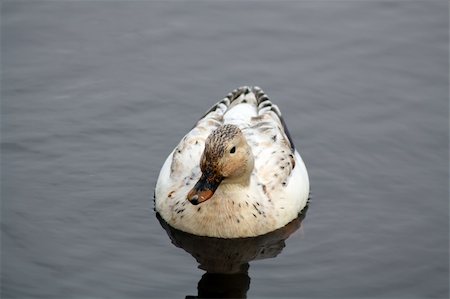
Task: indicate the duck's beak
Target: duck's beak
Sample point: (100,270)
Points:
(204,189)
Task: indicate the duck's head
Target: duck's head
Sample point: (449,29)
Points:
(227,158)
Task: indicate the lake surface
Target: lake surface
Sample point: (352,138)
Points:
(95,95)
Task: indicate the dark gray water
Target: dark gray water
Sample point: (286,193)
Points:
(95,94)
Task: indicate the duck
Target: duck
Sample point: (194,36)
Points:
(236,173)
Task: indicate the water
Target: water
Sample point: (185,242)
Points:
(95,94)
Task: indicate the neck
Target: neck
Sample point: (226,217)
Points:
(240,181)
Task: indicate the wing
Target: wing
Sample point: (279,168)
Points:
(271,144)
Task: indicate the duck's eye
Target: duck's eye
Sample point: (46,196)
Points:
(233,150)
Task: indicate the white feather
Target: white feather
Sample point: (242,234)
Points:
(279,184)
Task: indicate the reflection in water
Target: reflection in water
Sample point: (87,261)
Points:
(226,260)
(218,285)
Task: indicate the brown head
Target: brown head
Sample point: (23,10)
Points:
(227,158)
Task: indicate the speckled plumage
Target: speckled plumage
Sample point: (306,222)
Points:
(268,196)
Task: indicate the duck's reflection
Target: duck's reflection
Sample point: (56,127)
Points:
(218,285)
(226,260)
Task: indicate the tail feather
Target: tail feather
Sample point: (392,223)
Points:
(237,96)
(252,95)
(265,106)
